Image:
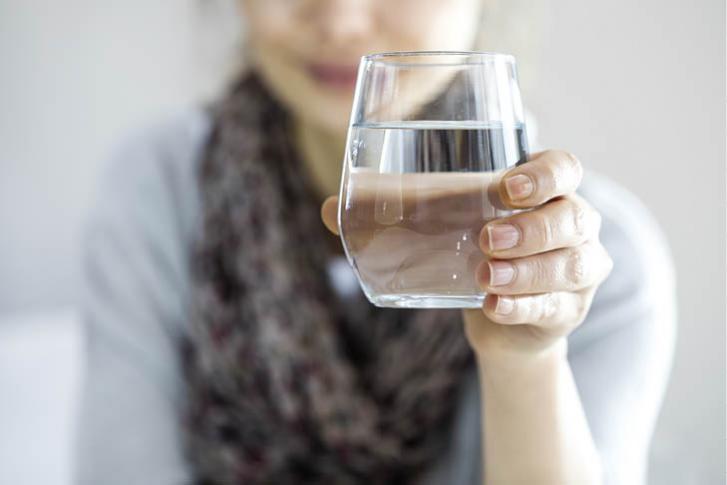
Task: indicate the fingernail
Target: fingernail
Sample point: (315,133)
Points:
(504,305)
(502,236)
(500,273)
(519,186)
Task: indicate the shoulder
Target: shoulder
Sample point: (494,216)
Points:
(621,355)
(163,155)
(149,181)
(643,275)
(134,305)
(629,230)
(143,221)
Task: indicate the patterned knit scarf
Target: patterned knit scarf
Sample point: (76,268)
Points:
(287,382)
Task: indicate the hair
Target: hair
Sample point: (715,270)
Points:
(511,26)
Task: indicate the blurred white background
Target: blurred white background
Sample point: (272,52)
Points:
(636,89)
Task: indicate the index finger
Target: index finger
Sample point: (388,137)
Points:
(546,175)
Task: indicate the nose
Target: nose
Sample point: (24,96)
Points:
(342,21)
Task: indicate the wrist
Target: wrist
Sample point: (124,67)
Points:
(509,360)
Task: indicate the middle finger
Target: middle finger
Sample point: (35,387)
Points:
(563,222)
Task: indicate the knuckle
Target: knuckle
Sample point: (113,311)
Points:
(547,230)
(574,164)
(570,172)
(576,267)
(549,306)
(526,308)
(541,272)
(583,305)
(579,216)
(551,179)
(605,262)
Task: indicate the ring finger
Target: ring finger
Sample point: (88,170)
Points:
(566,269)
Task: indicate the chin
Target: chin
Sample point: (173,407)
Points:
(334,123)
(329,111)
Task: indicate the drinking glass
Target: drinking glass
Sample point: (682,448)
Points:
(430,136)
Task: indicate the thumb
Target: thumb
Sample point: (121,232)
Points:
(329,214)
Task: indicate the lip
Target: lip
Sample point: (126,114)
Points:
(336,76)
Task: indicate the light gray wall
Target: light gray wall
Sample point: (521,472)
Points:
(74,76)
(636,89)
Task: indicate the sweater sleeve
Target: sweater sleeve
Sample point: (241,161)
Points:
(134,315)
(621,355)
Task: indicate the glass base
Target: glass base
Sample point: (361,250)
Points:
(428,301)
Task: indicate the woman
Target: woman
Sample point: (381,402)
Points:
(228,342)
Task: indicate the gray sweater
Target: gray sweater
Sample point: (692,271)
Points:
(146,219)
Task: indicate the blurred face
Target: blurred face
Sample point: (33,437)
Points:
(307,51)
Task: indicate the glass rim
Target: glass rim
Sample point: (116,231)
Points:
(468,56)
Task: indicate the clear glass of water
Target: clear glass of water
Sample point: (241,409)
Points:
(431,134)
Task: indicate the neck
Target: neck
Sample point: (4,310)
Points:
(322,155)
